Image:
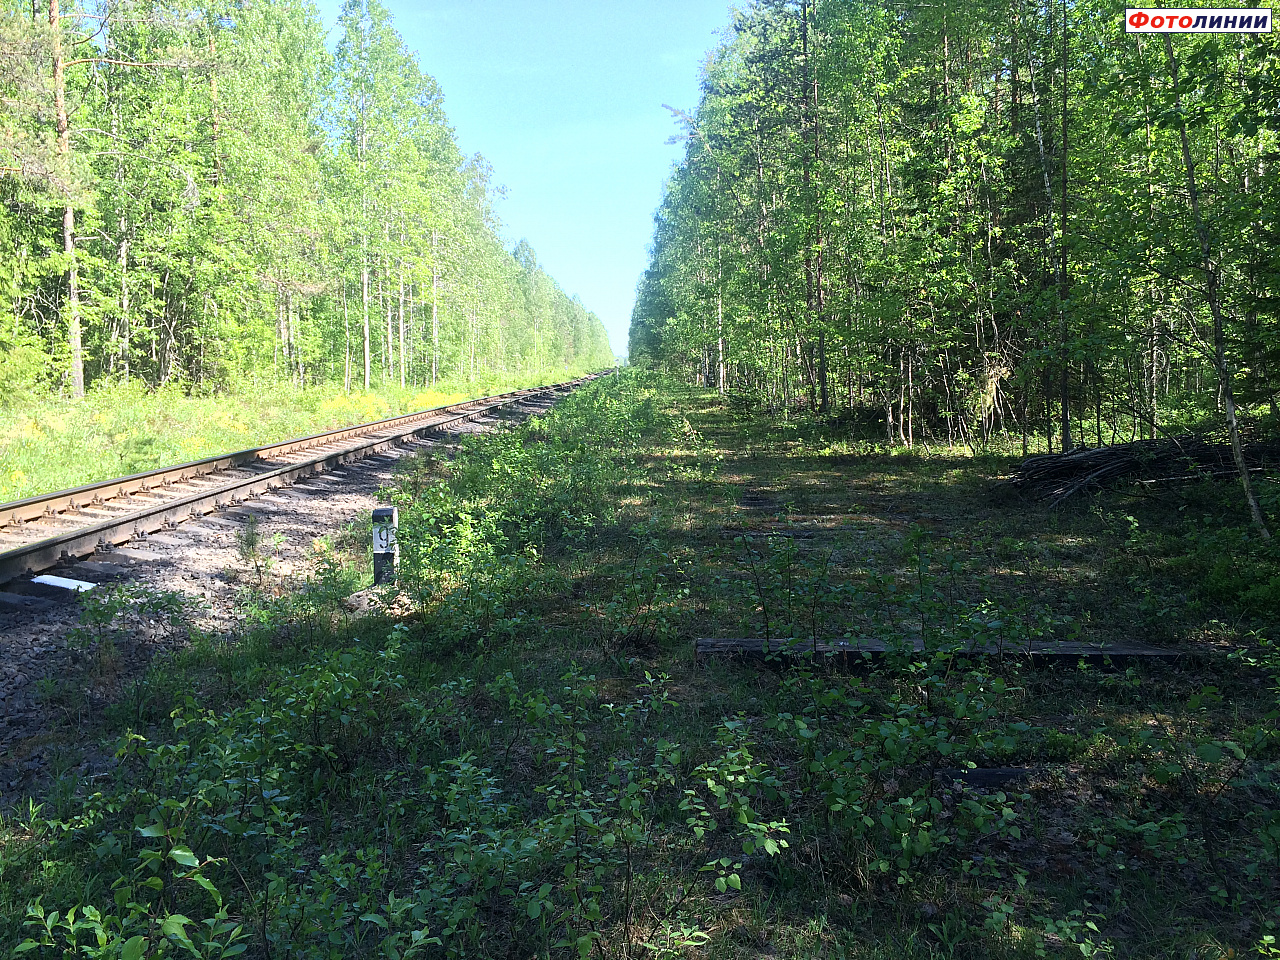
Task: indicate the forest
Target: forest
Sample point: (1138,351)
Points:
(762,645)
(196,194)
(975,224)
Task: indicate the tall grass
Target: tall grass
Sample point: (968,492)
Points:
(118,429)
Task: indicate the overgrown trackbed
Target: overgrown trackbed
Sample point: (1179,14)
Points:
(524,758)
(1137,786)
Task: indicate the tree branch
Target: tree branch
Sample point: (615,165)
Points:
(123,63)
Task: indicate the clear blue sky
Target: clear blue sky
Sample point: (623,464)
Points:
(565,99)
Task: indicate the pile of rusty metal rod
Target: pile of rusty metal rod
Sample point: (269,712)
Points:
(1054,477)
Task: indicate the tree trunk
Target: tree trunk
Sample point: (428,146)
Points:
(363,151)
(1152,373)
(435,316)
(1064,387)
(402,326)
(213,110)
(1048,192)
(364,301)
(296,313)
(384,306)
(122,248)
(68,211)
(125,336)
(1215,306)
(720,362)
(346,353)
(411,341)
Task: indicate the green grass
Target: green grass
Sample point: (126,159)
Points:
(529,762)
(118,429)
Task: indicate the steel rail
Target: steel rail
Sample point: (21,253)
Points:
(150,518)
(44,505)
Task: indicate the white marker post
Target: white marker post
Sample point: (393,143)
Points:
(386,551)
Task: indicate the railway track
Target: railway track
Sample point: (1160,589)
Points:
(41,532)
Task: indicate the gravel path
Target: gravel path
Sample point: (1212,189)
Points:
(201,561)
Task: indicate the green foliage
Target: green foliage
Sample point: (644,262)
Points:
(118,429)
(249,205)
(114,612)
(528,760)
(868,220)
(473,540)
(1227,565)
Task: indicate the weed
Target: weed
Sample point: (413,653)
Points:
(530,762)
(257,552)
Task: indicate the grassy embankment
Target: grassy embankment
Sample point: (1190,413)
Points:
(49,444)
(532,764)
